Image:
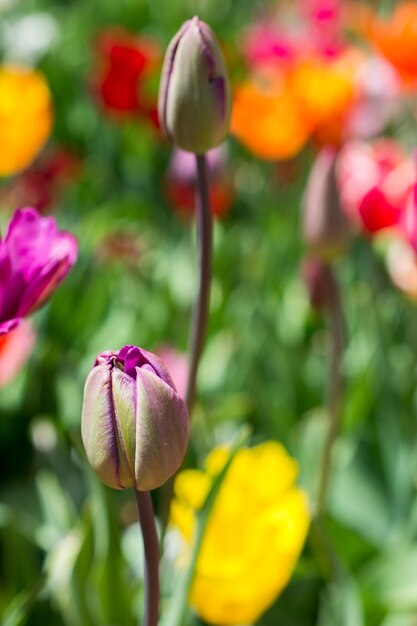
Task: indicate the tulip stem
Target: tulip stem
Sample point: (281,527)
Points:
(151,550)
(202,303)
(336,327)
(201,308)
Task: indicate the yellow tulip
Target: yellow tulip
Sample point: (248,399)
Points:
(25,117)
(254,535)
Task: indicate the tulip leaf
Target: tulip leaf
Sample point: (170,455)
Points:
(341,603)
(177,611)
(16,614)
(391,578)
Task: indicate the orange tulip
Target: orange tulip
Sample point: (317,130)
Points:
(268,120)
(25,117)
(396,38)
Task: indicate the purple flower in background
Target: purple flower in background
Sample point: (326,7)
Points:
(34,257)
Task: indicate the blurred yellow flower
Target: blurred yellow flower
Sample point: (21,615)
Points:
(254,535)
(25,117)
(324,89)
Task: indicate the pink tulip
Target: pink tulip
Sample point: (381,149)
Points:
(34,257)
(376,183)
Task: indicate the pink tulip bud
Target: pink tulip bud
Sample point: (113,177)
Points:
(134,424)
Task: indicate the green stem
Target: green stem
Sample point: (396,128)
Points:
(151,550)
(202,303)
(201,307)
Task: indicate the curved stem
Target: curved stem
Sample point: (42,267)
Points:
(336,327)
(202,303)
(151,549)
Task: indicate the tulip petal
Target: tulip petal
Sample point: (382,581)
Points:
(6,327)
(161,431)
(98,426)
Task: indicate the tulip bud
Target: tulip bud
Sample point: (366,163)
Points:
(134,424)
(320,283)
(194,95)
(325,227)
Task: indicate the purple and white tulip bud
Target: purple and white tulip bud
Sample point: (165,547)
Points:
(194,95)
(134,425)
(325,227)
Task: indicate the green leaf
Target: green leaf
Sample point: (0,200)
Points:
(341,604)
(391,579)
(16,614)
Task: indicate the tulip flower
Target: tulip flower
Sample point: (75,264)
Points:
(375,183)
(25,117)
(134,424)
(194,96)
(34,257)
(395,37)
(254,535)
(325,227)
(125,65)
(268,119)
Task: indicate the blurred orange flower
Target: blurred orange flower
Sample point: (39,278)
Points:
(268,120)
(396,38)
(25,116)
(275,114)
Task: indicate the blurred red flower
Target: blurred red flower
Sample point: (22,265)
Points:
(376,182)
(125,65)
(39,185)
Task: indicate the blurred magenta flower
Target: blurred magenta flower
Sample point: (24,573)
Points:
(34,257)
(294,30)
(15,349)
(134,423)
(376,182)
(194,94)
(126,63)
(182,177)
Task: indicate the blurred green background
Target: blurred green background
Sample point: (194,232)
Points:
(265,361)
